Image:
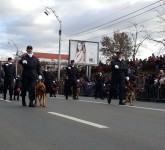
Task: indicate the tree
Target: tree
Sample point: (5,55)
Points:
(139,35)
(119,42)
(161,23)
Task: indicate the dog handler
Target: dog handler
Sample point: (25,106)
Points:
(118,79)
(31,72)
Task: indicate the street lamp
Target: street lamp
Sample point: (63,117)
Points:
(47,12)
(11,42)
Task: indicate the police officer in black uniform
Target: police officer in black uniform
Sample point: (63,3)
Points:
(10,73)
(99,81)
(73,75)
(48,79)
(31,72)
(118,78)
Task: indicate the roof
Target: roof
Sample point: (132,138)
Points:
(50,56)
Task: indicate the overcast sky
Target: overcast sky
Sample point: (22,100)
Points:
(23,22)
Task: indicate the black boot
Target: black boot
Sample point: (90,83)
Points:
(121,102)
(23,101)
(31,103)
(109,100)
(11,97)
(4,96)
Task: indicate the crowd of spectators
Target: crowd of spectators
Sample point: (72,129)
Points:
(144,73)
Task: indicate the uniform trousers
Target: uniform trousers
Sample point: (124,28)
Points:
(117,84)
(28,85)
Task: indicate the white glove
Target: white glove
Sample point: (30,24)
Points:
(69,67)
(40,77)
(24,61)
(127,78)
(116,67)
(78,80)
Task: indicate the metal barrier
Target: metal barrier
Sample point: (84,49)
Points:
(152,93)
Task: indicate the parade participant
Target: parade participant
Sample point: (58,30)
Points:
(48,79)
(73,75)
(10,73)
(118,78)
(67,87)
(31,72)
(99,81)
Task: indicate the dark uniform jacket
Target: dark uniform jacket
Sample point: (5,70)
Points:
(9,70)
(72,72)
(121,72)
(48,76)
(73,75)
(1,75)
(99,81)
(48,80)
(31,69)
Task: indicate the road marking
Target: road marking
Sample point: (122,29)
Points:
(138,107)
(78,120)
(93,102)
(147,108)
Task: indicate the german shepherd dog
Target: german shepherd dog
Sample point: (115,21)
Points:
(130,94)
(40,93)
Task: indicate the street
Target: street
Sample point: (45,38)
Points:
(84,124)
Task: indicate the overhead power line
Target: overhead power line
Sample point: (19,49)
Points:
(87,33)
(93,29)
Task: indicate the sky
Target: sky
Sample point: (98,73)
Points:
(23,22)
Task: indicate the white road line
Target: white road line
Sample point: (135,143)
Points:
(78,120)
(138,107)
(146,108)
(93,102)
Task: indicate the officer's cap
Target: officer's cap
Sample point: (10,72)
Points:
(29,47)
(9,58)
(72,61)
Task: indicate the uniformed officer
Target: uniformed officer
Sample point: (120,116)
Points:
(31,72)
(48,79)
(118,78)
(99,81)
(67,87)
(10,73)
(73,75)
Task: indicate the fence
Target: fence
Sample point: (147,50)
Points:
(152,93)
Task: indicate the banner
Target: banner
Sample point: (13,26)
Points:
(84,52)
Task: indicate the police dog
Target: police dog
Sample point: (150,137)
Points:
(130,94)
(40,93)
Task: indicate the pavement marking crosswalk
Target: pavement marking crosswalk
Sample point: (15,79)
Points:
(78,120)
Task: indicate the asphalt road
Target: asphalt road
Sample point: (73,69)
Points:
(85,124)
